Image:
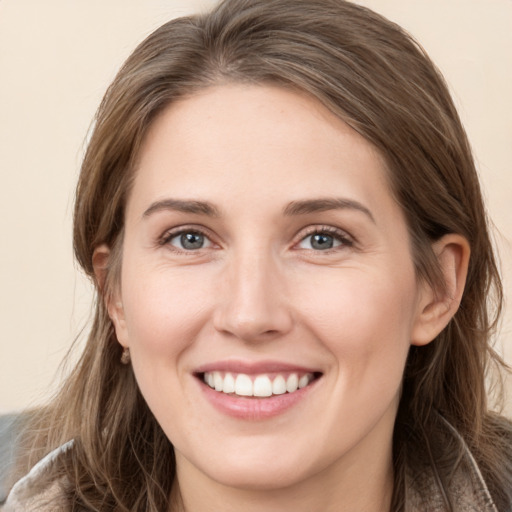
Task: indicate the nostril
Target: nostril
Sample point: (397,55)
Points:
(253,315)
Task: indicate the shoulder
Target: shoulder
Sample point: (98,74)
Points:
(439,483)
(38,491)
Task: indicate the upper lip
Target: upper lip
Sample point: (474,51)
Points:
(253,367)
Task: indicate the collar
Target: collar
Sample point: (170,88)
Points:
(464,488)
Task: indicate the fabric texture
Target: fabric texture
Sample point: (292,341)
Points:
(28,495)
(9,427)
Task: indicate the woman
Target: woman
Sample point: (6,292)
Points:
(296,286)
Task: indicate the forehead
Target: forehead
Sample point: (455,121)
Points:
(242,142)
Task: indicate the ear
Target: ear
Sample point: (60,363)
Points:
(436,307)
(111,294)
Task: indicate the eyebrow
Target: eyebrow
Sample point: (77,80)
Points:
(325,204)
(301,207)
(197,207)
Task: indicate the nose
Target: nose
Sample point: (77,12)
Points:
(252,302)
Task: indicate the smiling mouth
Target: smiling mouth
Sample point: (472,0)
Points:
(257,386)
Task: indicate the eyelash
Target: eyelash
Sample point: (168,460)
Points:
(341,236)
(170,235)
(345,240)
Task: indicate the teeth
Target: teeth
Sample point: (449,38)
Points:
(292,383)
(303,381)
(218,381)
(229,383)
(261,386)
(243,385)
(279,385)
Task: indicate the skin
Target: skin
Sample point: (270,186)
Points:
(258,290)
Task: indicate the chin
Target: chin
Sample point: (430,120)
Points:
(262,476)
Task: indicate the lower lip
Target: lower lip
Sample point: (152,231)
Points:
(253,408)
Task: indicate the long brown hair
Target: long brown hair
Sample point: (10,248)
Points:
(377,79)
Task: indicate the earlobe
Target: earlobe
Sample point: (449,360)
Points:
(113,303)
(438,306)
(116,314)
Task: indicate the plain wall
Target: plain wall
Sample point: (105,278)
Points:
(57,58)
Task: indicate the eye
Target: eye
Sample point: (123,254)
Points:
(323,240)
(188,240)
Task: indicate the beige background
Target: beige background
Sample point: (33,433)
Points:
(56,59)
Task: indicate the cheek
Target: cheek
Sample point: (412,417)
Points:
(164,314)
(365,321)
(163,309)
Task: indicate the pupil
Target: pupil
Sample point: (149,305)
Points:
(322,241)
(192,240)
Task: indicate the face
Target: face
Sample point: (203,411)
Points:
(267,295)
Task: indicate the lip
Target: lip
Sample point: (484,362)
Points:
(254,367)
(254,408)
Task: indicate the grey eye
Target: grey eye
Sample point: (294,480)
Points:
(190,241)
(320,242)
